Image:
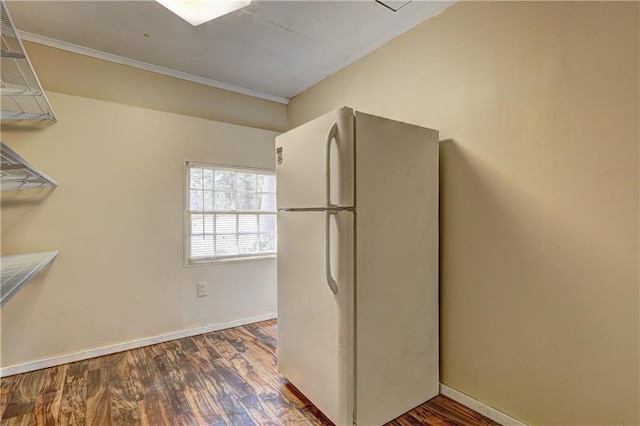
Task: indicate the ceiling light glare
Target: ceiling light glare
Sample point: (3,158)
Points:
(198,12)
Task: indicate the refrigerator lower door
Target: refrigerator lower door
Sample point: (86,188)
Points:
(315,326)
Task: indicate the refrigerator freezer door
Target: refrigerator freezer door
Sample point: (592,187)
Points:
(315,326)
(316,160)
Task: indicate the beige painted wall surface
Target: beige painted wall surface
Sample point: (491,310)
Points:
(73,74)
(537,105)
(117,219)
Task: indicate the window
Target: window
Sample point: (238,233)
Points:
(231,212)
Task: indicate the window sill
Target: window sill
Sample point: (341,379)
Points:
(212,262)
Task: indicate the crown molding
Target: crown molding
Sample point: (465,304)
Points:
(98,54)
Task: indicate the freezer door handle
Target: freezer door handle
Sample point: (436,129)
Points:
(333,285)
(333,131)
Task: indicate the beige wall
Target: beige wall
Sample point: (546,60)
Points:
(66,72)
(117,220)
(537,104)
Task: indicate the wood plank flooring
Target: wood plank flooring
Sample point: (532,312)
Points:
(228,377)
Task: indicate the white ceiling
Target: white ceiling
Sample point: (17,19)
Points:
(277,48)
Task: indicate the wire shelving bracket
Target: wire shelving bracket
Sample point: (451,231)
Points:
(17,173)
(18,269)
(21,92)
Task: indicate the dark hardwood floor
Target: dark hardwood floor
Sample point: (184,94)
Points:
(227,377)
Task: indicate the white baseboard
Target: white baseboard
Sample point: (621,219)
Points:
(479,407)
(107,350)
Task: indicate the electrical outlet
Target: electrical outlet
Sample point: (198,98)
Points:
(202,289)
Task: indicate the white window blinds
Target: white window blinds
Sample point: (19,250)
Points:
(231,212)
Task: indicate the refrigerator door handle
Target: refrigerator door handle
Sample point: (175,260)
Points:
(327,166)
(331,282)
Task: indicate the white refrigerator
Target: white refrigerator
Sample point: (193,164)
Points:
(357,200)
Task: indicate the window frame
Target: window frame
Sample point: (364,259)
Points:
(188,261)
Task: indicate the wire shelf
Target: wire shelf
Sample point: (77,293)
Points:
(21,92)
(17,270)
(16,173)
